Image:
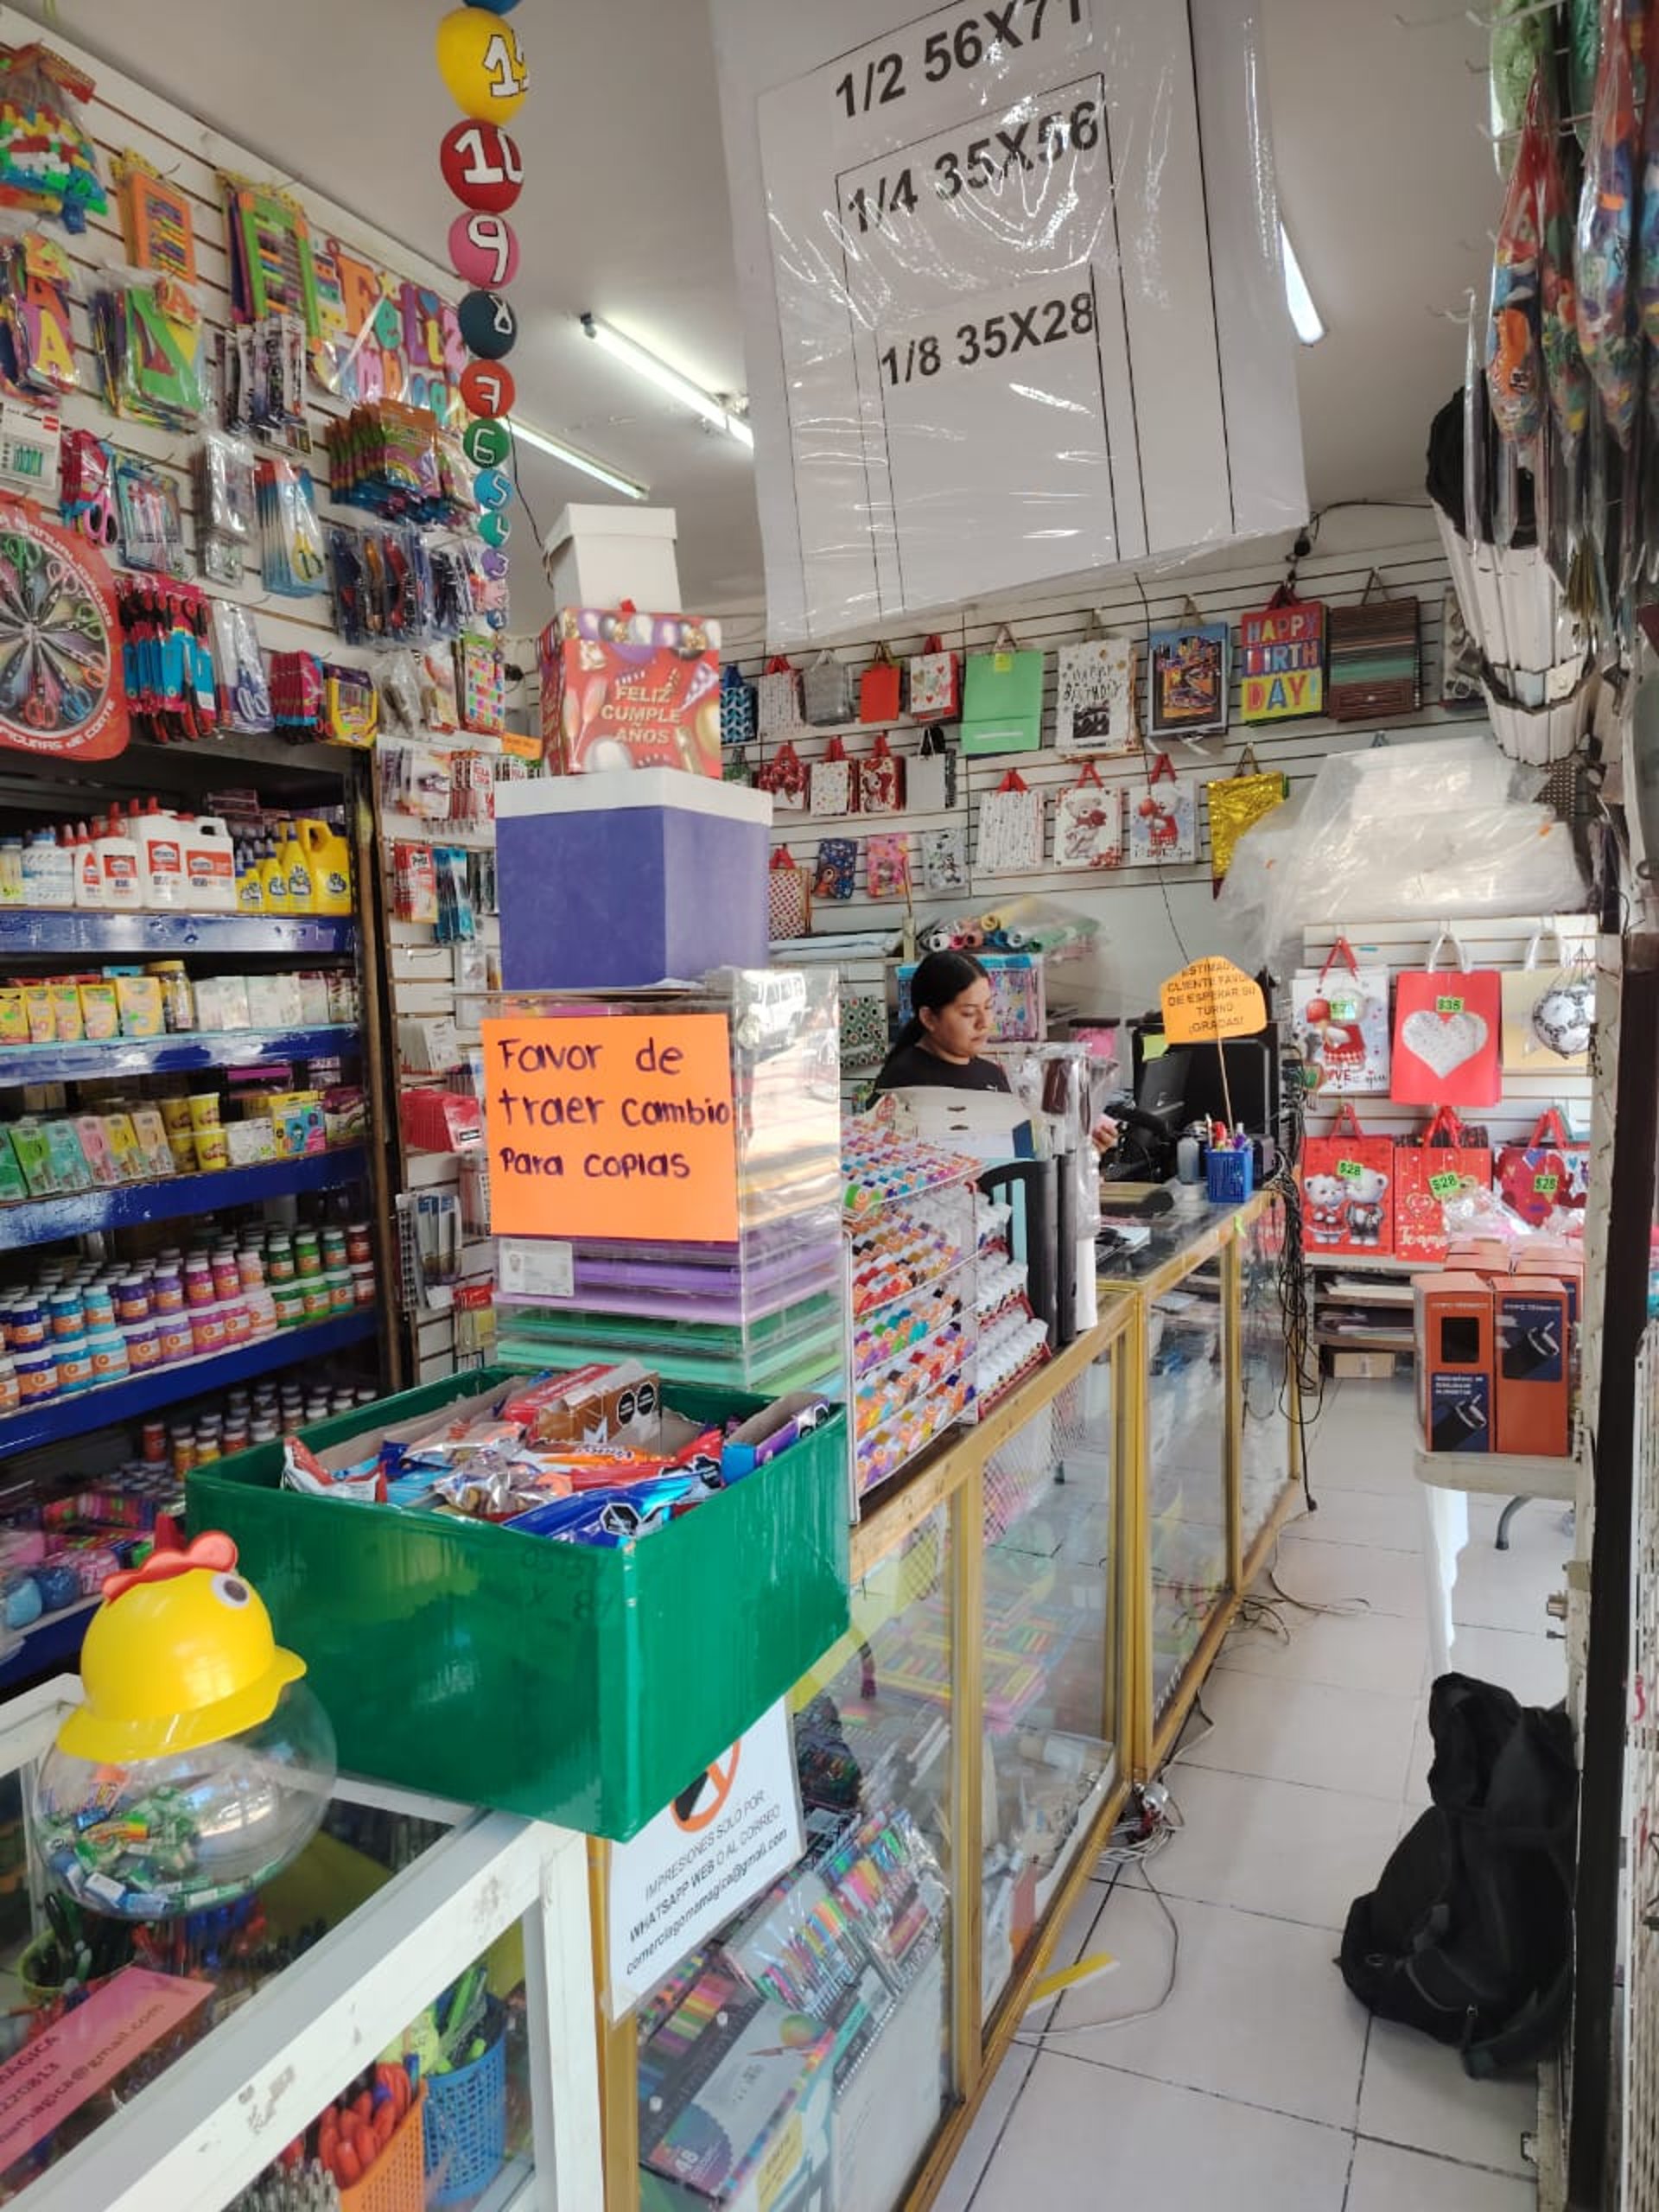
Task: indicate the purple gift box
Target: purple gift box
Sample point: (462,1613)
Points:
(628,878)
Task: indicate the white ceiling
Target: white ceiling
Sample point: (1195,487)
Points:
(1386,184)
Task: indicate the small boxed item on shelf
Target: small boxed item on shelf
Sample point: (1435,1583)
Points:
(623,689)
(1455,1364)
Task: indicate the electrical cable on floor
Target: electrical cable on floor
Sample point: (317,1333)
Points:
(1034,2038)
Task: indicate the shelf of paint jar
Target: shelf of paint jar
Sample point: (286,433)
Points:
(54,1419)
(25,931)
(891,1334)
(890,1387)
(181,1055)
(127,1205)
(913,1428)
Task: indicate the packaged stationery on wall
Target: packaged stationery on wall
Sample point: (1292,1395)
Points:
(1549,1171)
(778,706)
(835,786)
(1282,655)
(837,868)
(887,865)
(1163,817)
(1430,1170)
(1002,699)
(931,775)
(1348,1183)
(1236,803)
(1549,1011)
(786,777)
(789,910)
(882,779)
(1095,706)
(1341,1016)
(1374,657)
(1010,828)
(1088,824)
(880,688)
(737,706)
(1446,1029)
(827,692)
(935,683)
(944,859)
(1187,679)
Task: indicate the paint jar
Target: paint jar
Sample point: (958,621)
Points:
(197,1281)
(359,1249)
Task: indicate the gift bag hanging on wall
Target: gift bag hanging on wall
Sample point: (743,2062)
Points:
(1163,817)
(1447,1024)
(1002,699)
(881,690)
(837,868)
(1236,803)
(1348,1181)
(1341,1014)
(880,780)
(1096,710)
(737,708)
(1430,1172)
(834,786)
(887,865)
(777,698)
(788,907)
(1549,1011)
(931,775)
(1375,657)
(1281,659)
(1550,1171)
(1089,822)
(944,860)
(1187,678)
(826,690)
(935,683)
(1010,830)
(786,777)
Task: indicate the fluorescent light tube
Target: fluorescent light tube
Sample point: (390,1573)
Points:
(1303,313)
(574,458)
(669,380)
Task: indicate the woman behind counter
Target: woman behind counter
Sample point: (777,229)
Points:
(938,1046)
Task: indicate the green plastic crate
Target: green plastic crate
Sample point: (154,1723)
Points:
(561,1682)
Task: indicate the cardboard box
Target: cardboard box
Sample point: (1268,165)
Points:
(1363,1366)
(598,556)
(1455,1382)
(1534,1387)
(614,880)
(630,690)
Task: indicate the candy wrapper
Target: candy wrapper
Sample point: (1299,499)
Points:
(622,690)
(1604,236)
(303,1471)
(1514,365)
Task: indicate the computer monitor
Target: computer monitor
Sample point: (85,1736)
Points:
(1252,1084)
(1162,1089)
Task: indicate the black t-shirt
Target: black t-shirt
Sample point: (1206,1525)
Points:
(914,1068)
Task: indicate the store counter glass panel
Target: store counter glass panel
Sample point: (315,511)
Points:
(1185,1473)
(1265,1386)
(1050,1658)
(819,2015)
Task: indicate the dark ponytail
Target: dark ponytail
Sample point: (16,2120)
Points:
(939,981)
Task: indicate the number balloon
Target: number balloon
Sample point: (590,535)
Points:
(489,327)
(481,62)
(495,528)
(482,166)
(483,250)
(486,445)
(491,488)
(487,389)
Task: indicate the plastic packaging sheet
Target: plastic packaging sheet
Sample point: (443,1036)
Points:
(1011,292)
(1444,828)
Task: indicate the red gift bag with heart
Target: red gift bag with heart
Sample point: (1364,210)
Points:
(1429,1172)
(1549,1172)
(1448,1026)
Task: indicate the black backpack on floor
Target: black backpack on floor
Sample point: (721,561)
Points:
(1468,1935)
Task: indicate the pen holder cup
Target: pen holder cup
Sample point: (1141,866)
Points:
(1231,1175)
(467,2121)
(397,2180)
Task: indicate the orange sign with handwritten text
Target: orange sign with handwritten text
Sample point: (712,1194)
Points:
(1209,1000)
(616,1126)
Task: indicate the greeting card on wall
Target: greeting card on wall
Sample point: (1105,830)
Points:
(1186,680)
(1088,824)
(1281,652)
(1010,830)
(1095,702)
(1163,817)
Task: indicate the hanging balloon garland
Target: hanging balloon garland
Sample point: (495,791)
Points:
(483,66)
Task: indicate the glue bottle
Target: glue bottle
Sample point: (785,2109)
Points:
(117,853)
(89,868)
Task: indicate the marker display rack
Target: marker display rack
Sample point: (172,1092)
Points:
(760,1312)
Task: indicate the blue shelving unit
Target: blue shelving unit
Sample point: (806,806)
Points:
(60,1419)
(207,1048)
(51,1640)
(21,933)
(37,1221)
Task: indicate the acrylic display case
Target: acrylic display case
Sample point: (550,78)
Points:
(762,1312)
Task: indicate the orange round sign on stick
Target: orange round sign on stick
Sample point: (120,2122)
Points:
(1211,1000)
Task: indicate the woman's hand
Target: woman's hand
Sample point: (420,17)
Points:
(1104,1134)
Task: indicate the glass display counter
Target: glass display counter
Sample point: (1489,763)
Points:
(172,2063)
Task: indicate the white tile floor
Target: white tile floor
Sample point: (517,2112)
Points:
(1260,2084)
